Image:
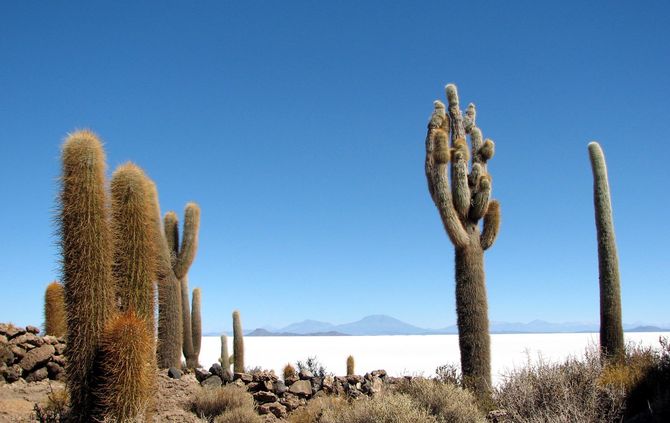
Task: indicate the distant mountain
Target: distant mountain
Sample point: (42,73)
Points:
(379,325)
(264,332)
(305,327)
(647,329)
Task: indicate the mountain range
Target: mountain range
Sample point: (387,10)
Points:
(387,325)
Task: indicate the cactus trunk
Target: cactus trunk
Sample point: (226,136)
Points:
(187,342)
(238,343)
(196,329)
(611,328)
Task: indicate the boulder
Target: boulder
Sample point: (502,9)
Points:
(37,375)
(263,397)
(11,331)
(32,329)
(354,379)
(56,371)
(244,377)
(201,374)
(59,359)
(216,369)
(290,380)
(28,338)
(212,382)
(328,383)
(372,386)
(50,339)
(291,402)
(279,387)
(305,374)
(174,373)
(36,357)
(301,388)
(6,354)
(264,376)
(274,407)
(13,373)
(379,373)
(60,348)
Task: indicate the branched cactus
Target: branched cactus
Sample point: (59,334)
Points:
(134,242)
(128,380)
(86,248)
(462,203)
(196,328)
(238,343)
(182,257)
(350,365)
(611,328)
(170,330)
(54,310)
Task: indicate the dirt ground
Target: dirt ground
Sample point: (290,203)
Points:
(17,400)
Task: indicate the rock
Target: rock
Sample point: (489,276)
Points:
(301,388)
(279,387)
(263,397)
(211,382)
(305,374)
(60,348)
(274,407)
(32,329)
(50,339)
(264,376)
(291,380)
(13,373)
(13,331)
(6,354)
(240,383)
(227,375)
(216,369)
(354,379)
(28,339)
(36,357)
(379,373)
(37,375)
(56,372)
(316,384)
(3,339)
(3,328)
(244,377)
(372,386)
(328,383)
(174,373)
(59,359)
(201,374)
(290,401)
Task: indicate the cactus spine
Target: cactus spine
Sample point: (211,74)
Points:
(196,327)
(182,257)
(461,205)
(350,365)
(54,310)
(128,369)
(238,343)
(170,330)
(611,328)
(86,248)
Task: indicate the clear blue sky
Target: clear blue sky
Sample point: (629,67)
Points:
(299,128)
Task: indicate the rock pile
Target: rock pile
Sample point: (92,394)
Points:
(26,355)
(278,397)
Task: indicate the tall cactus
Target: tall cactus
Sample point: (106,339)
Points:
(196,328)
(611,328)
(461,205)
(54,310)
(182,257)
(170,330)
(86,248)
(238,343)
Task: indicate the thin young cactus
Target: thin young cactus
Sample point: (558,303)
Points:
(611,328)
(54,310)
(350,365)
(238,343)
(196,328)
(461,205)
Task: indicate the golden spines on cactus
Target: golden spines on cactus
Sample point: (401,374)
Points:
(289,371)
(189,240)
(238,343)
(171,227)
(350,365)
(196,328)
(442,153)
(170,331)
(128,381)
(54,310)
(134,242)
(86,248)
(491,225)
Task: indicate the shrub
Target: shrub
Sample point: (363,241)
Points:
(210,403)
(564,392)
(449,373)
(315,408)
(313,365)
(54,409)
(446,401)
(389,408)
(239,415)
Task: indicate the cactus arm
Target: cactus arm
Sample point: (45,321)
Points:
(164,265)
(491,225)
(445,206)
(480,200)
(470,120)
(171,229)
(438,120)
(457,126)
(460,189)
(476,142)
(189,241)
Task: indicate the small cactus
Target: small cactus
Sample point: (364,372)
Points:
(128,380)
(238,343)
(289,371)
(196,329)
(54,310)
(350,365)
(611,328)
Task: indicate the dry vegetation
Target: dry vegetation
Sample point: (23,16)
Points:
(222,402)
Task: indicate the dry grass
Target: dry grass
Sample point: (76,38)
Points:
(447,402)
(210,403)
(55,409)
(239,415)
(315,408)
(387,408)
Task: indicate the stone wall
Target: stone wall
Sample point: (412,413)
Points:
(26,355)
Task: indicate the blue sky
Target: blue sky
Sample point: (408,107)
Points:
(299,128)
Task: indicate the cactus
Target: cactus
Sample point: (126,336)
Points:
(86,248)
(196,329)
(289,371)
(238,343)
(54,310)
(170,330)
(128,380)
(611,329)
(350,365)
(134,242)
(182,257)
(224,359)
(461,205)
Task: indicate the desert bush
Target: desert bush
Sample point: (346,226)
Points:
(210,403)
(54,409)
(388,408)
(239,415)
(313,365)
(447,402)
(560,392)
(449,373)
(312,412)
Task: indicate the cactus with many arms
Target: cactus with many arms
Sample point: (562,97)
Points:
(611,328)
(54,310)
(170,330)
(238,343)
(462,203)
(182,256)
(87,253)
